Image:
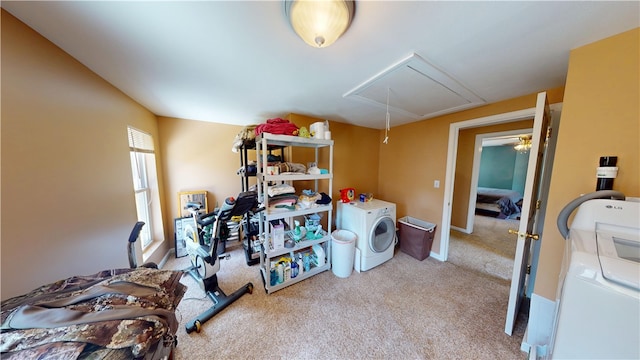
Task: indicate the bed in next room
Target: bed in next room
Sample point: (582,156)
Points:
(500,203)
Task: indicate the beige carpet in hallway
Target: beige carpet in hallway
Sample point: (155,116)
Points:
(490,249)
(402,309)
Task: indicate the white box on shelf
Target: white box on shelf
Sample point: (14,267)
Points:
(277,236)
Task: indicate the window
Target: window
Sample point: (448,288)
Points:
(145,184)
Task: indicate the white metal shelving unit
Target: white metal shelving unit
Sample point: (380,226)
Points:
(263,143)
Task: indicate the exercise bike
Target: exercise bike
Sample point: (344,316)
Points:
(202,248)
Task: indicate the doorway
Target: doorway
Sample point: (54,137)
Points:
(525,251)
(481,242)
(451,176)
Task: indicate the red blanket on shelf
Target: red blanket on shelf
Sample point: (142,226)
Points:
(277,126)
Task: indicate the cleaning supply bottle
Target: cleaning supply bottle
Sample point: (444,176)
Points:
(273,275)
(280,272)
(294,268)
(306,262)
(287,272)
(297,233)
(300,264)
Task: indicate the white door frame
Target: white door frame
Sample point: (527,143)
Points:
(475,173)
(454,132)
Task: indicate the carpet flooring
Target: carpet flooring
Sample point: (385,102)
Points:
(402,309)
(490,249)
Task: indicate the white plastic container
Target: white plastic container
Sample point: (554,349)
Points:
(343,245)
(277,236)
(318,129)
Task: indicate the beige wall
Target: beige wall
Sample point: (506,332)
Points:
(355,155)
(464,166)
(417,155)
(67,193)
(198,156)
(66,179)
(600,116)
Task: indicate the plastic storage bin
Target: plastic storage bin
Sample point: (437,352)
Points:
(343,250)
(416,237)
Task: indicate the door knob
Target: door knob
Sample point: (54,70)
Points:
(530,236)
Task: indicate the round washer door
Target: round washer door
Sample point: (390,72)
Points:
(382,234)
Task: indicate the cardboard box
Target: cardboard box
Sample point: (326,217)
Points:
(277,236)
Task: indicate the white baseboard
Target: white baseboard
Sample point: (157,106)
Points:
(436,256)
(540,327)
(165,258)
(538,353)
(462,230)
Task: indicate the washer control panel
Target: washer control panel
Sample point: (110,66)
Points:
(384,211)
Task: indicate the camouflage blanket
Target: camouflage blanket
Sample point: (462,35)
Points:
(125,309)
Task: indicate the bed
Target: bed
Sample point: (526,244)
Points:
(500,203)
(113,314)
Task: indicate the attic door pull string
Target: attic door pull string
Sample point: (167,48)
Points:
(386,130)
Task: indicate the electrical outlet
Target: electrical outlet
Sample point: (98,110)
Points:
(436,184)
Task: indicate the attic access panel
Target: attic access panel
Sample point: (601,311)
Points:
(416,89)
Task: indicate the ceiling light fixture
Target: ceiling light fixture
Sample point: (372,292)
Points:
(524,145)
(319,22)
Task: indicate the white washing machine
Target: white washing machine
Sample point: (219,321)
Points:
(374,223)
(598,313)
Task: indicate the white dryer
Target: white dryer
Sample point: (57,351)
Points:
(374,223)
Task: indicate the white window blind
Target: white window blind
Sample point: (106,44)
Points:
(140,141)
(143,170)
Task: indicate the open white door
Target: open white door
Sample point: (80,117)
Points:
(528,228)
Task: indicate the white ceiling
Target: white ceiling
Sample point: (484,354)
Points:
(239,62)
